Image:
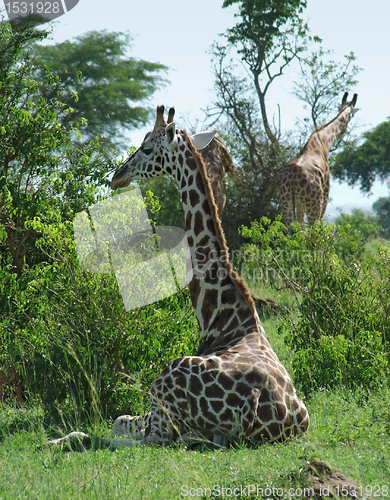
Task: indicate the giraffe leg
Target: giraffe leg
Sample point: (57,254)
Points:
(162,426)
(300,215)
(286,208)
(249,415)
(325,193)
(314,202)
(300,207)
(124,426)
(75,440)
(313,216)
(314,213)
(325,200)
(127,425)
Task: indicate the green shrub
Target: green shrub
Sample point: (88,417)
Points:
(281,258)
(353,231)
(341,333)
(77,349)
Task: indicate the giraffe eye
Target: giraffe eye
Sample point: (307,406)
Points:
(147,151)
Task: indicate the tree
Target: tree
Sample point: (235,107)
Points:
(366,162)
(268,37)
(111,87)
(382,209)
(12,41)
(44,177)
(321,85)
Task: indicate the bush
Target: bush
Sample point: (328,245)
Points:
(353,231)
(77,349)
(341,334)
(382,208)
(281,258)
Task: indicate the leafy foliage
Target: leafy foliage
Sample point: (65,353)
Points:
(110,86)
(43,174)
(77,348)
(13,40)
(366,162)
(353,231)
(382,208)
(342,333)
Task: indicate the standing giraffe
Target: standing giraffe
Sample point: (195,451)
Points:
(235,388)
(305,182)
(218,162)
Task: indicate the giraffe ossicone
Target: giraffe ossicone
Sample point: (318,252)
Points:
(235,389)
(305,181)
(218,163)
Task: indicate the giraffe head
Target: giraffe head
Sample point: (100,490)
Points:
(350,104)
(159,152)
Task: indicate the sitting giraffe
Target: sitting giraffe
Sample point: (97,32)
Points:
(305,182)
(235,389)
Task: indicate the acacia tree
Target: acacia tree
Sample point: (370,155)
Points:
(111,87)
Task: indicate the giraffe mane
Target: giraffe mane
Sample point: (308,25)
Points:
(228,164)
(347,104)
(238,282)
(329,122)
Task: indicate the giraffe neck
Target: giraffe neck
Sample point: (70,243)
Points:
(328,133)
(221,300)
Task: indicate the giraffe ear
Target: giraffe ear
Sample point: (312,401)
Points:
(202,139)
(170,133)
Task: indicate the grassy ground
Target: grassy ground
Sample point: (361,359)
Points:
(349,431)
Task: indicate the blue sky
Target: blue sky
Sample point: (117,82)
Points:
(179,35)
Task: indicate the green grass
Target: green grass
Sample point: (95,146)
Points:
(349,431)
(282,296)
